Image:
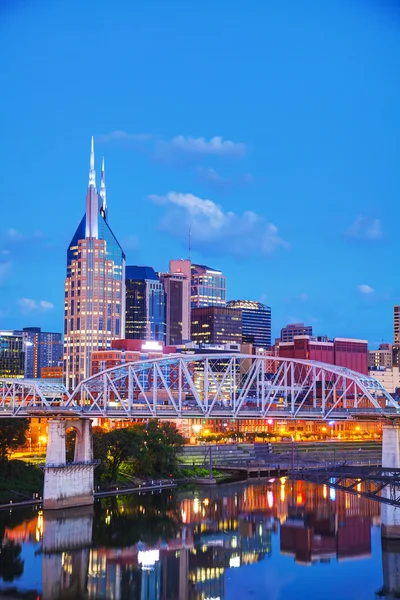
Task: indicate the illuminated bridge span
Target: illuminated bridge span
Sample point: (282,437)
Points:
(207,386)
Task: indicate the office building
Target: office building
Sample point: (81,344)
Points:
(94,286)
(389,378)
(208,287)
(177,301)
(42,349)
(342,352)
(381,358)
(256,322)
(12,354)
(145,304)
(216,325)
(289,332)
(396,335)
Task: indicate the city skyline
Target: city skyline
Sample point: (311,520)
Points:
(289,177)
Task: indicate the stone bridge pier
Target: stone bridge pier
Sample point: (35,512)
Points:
(68,484)
(390,515)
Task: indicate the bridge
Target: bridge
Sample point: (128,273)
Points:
(189,386)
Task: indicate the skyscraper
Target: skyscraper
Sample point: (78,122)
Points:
(42,349)
(216,325)
(256,322)
(145,305)
(12,355)
(396,335)
(208,287)
(177,301)
(94,287)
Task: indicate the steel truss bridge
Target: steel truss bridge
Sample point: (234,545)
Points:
(364,481)
(208,386)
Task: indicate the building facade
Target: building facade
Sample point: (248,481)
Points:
(208,287)
(42,349)
(216,325)
(94,287)
(177,301)
(289,332)
(396,335)
(389,378)
(12,354)
(256,322)
(145,304)
(381,358)
(342,352)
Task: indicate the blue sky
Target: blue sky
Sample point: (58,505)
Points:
(272,128)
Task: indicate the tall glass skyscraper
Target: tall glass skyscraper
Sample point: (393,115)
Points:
(94,287)
(145,305)
(208,287)
(256,322)
(42,349)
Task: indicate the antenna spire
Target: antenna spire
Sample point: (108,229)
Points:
(190,243)
(92,172)
(103,193)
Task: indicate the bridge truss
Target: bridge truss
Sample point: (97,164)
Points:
(208,386)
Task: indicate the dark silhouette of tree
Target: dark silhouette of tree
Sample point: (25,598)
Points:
(12,435)
(11,564)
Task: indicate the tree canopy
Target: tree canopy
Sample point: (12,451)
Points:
(12,435)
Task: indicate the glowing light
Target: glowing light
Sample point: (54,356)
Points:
(270,421)
(196,428)
(152,346)
(148,558)
(270,499)
(332,494)
(234,562)
(196,505)
(206,502)
(183,515)
(325,491)
(300,499)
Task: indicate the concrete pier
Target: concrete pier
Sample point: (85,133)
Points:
(390,515)
(68,485)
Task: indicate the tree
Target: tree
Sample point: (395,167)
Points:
(122,444)
(12,435)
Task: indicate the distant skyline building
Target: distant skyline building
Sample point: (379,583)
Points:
(42,349)
(256,322)
(208,287)
(381,358)
(94,287)
(396,335)
(177,307)
(12,354)
(216,325)
(293,329)
(145,304)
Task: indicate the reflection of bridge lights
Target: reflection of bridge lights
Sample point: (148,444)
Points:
(196,505)
(270,499)
(206,502)
(332,494)
(325,492)
(183,515)
(300,499)
(148,558)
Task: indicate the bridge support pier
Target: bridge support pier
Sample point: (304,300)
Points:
(390,515)
(68,485)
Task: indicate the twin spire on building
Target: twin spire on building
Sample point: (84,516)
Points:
(92,181)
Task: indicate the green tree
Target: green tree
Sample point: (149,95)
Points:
(12,435)
(122,444)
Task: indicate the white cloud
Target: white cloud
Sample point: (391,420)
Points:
(122,136)
(29,305)
(365,229)
(215,230)
(365,289)
(216,146)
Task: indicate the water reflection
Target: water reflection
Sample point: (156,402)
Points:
(188,544)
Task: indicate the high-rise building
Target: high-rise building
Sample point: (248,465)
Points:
(12,354)
(396,335)
(145,304)
(293,329)
(42,349)
(177,302)
(381,358)
(216,325)
(94,286)
(256,322)
(208,287)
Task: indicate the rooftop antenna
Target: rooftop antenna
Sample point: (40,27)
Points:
(190,243)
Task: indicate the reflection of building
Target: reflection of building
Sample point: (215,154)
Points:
(145,304)
(12,354)
(94,295)
(42,350)
(216,325)
(256,322)
(208,287)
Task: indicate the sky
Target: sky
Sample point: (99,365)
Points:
(271,129)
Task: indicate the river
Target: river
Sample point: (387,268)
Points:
(274,541)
